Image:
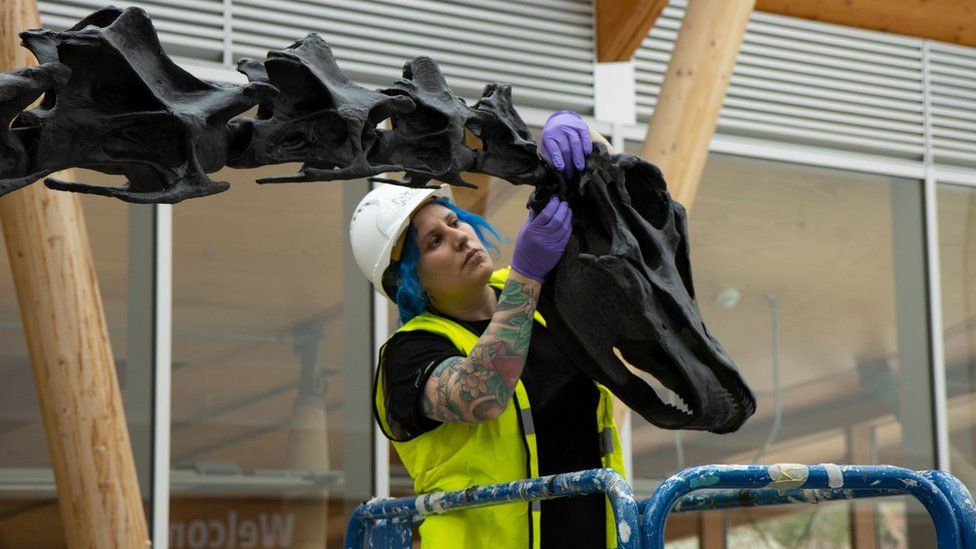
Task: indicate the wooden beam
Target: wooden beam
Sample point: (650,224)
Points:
(67,340)
(694,87)
(711,530)
(951,21)
(621,26)
(308,450)
(863,513)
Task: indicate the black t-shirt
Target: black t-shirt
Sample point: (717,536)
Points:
(563,401)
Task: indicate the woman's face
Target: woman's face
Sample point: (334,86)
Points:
(453,263)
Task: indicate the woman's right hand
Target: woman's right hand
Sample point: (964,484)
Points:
(542,239)
(566,142)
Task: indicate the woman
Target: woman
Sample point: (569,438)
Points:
(472,389)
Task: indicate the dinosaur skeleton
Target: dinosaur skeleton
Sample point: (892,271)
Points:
(320,117)
(18,90)
(129,109)
(116,103)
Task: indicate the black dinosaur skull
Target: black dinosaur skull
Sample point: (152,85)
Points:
(320,117)
(624,282)
(18,89)
(128,109)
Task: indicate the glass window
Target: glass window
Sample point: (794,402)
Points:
(813,281)
(957,250)
(29,511)
(263,449)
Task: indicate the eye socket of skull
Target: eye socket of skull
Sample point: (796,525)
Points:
(648,194)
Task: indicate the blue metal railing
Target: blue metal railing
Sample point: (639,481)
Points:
(828,481)
(962,504)
(386,523)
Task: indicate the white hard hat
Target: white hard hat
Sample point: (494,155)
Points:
(379,221)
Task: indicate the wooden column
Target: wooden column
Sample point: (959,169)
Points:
(711,530)
(308,450)
(61,309)
(694,86)
(308,441)
(863,513)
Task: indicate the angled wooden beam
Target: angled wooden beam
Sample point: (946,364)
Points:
(621,26)
(951,21)
(67,339)
(862,514)
(308,440)
(694,87)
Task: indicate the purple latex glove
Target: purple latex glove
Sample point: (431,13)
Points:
(565,142)
(542,239)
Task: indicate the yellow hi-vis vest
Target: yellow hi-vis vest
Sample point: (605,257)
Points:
(458,455)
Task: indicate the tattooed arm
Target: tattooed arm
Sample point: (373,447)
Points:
(478,387)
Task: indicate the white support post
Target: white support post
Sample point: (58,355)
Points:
(940,411)
(381,447)
(162,373)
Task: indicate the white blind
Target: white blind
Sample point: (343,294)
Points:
(810,83)
(188,28)
(952,96)
(544,48)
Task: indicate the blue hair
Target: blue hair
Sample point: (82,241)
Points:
(411,299)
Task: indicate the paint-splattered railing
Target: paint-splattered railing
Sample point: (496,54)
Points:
(713,500)
(944,497)
(385,523)
(961,501)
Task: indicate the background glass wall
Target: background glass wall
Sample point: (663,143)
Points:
(262,344)
(813,281)
(957,249)
(29,514)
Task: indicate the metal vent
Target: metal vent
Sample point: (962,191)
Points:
(810,83)
(952,100)
(544,48)
(187,28)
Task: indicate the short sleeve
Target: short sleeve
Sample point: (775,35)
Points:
(410,359)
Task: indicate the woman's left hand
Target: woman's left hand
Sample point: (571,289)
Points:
(566,142)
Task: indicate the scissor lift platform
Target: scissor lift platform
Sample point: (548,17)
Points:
(386,523)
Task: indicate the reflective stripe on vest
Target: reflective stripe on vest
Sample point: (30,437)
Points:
(458,455)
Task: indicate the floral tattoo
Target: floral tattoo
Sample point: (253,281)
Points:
(478,387)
